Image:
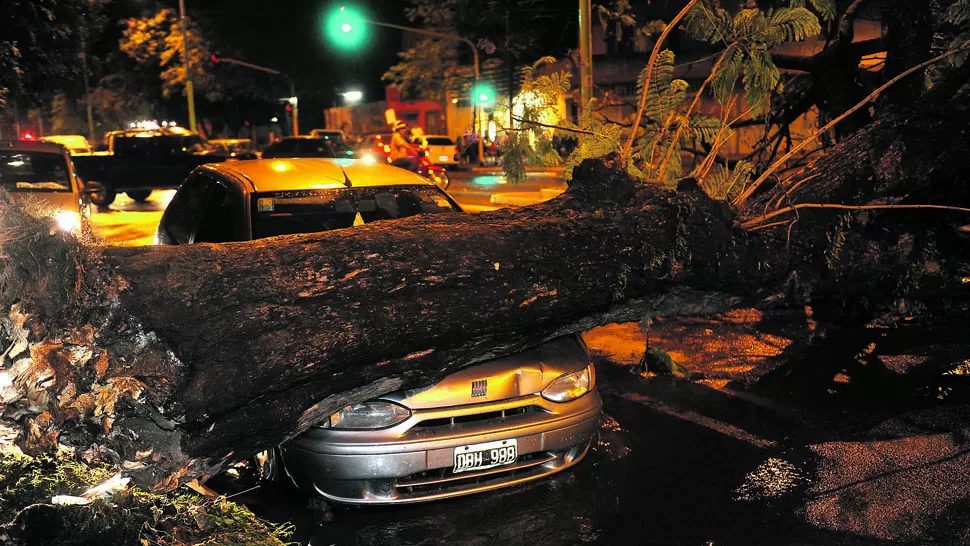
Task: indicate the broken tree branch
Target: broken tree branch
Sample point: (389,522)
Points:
(743,197)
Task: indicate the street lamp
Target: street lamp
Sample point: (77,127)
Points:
(353,96)
(347,29)
(189,93)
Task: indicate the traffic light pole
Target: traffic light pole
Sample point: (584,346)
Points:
(293,98)
(475,101)
(189,92)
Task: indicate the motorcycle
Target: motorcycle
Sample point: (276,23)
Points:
(434,173)
(423,166)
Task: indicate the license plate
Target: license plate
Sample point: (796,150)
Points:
(442,158)
(487,455)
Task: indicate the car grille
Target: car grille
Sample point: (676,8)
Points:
(440,481)
(497,415)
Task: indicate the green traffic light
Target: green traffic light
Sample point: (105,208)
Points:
(483,94)
(346,28)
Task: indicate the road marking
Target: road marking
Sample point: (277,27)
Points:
(726,429)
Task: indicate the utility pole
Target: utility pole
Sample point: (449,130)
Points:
(189,93)
(585,53)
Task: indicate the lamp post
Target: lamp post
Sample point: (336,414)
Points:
(189,92)
(347,27)
(292,99)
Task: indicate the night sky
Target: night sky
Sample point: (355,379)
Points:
(289,39)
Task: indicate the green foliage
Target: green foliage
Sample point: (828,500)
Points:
(598,139)
(617,17)
(113,105)
(129,516)
(430,71)
(618,13)
(667,127)
(826,9)
(40,44)
(664,98)
(755,33)
(958,15)
(836,241)
(657,361)
(723,183)
(534,116)
(157,42)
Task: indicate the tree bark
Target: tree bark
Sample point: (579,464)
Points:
(174,361)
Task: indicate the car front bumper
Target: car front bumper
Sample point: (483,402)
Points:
(417,466)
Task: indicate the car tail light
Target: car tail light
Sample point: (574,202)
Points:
(387,149)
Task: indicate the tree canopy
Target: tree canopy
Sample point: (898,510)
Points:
(40,46)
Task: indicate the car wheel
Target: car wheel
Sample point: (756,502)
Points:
(102,195)
(139,196)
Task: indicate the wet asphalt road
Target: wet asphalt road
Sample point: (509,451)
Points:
(654,477)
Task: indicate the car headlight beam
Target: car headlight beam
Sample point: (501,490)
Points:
(69,221)
(570,386)
(370,415)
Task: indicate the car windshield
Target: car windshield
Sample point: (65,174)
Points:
(440,141)
(308,211)
(33,171)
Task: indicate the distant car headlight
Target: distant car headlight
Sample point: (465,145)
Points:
(570,386)
(373,414)
(69,221)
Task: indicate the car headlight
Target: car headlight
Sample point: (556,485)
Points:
(69,221)
(373,414)
(570,386)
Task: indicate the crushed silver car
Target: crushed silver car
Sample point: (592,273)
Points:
(492,425)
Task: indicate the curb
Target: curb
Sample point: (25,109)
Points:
(525,198)
(554,169)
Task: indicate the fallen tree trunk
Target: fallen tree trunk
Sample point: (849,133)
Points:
(194,356)
(174,361)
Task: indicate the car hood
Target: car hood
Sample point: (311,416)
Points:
(511,376)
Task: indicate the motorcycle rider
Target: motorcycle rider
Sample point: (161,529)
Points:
(403,153)
(414,158)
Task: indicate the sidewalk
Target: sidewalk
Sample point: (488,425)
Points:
(525,198)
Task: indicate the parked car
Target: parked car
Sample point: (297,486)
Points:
(76,144)
(495,424)
(138,161)
(441,149)
(238,148)
(308,146)
(43,172)
(375,147)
